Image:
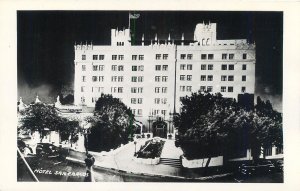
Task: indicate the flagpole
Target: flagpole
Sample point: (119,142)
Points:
(129,23)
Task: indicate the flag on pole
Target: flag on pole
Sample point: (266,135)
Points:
(134,16)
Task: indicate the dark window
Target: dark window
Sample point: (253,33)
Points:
(224,67)
(182,56)
(141,57)
(231,56)
(244,67)
(244,56)
(230,78)
(243,78)
(101,57)
(134,68)
(203,67)
(83,57)
(157,67)
(231,67)
(224,56)
(157,56)
(134,57)
(95,57)
(203,56)
(165,56)
(114,57)
(189,56)
(210,56)
(210,67)
(243,89)
(230,89)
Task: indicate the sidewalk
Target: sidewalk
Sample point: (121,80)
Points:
(122,160)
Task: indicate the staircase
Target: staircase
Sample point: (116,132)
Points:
(171,162)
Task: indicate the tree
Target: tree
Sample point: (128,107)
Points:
(68,130)
(112,124)
(42,118)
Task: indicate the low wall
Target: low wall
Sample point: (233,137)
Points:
(199,163)
(146,161)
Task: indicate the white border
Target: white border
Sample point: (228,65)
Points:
(8,80)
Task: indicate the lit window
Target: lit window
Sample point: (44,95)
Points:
(164,79)
(231,67)
(121,57)
(157,78)
(203,66)
(182,56)
(230,89)
(203,78)
(182,77)
(95,67)
(157,89)
(224,56)
(157,56)
(95,57)
(165,56)
(101,57)
(244,67)
(209,88)
(165,67)
(189,77)
(83,67)
(141,57)
(231,56)
(244,56)
(83,78)
(189,67)
(189,57)
(120,67)
(134,68)
(224,67)
(230,78)
(134,57)
(203,56)
(188,88)
(157,67)
(83,57)
(210,56)
(223,78)
(223,88)
(243,78)
(210,78)
(182,66)
(210,67)
(114,57)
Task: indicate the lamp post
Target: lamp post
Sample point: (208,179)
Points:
(134,147)
(86,131)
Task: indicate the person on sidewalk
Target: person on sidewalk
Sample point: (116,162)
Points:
(89,162)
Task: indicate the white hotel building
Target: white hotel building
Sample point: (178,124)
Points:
(151,79)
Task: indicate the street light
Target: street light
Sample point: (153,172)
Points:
(86,131)
(134,147)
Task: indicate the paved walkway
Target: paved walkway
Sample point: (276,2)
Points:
(170,150)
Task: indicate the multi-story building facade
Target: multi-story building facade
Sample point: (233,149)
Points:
(151,79)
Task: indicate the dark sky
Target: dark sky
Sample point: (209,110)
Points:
(46,39)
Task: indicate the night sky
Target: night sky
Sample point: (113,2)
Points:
(46,39)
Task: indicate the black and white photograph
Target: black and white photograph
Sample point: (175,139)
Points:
(150,96)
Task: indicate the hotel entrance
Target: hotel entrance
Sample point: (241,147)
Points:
(160,128)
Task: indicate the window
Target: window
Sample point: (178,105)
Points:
(182,88)
(114,57)
(140,100)
(209,88)
(164,79)
(165,56)
(83,67)
(189,56)
(231,67)
(189,67)
(279,150)
(101,57)
(94,78)
(202,88)
(203,78)
(210,56)
(210,67)
(134,68)
(141,57)
(133,111)
(156,111)
(83,78)
(140,90)
(223,88)
(157,78)
(182,77)
(189,77)
(165,67)
(156,100)
(133,90)
(224,67)
(223,78)
(157,56)
(134,79)
(101,67)
(121,57)
(82,88)
(140,78)
(113,89)
(83,57)
(230,89)
(141,68)
(188,88)
(133,100)
(231,56)
(157,67)
(244,56)
(244,67)
(121,68)
(164,89)
(140,112)
(182,56)
(230,78)
(95,57)
(224,56)
(203,56)
(95,67)
(164,100)
(120,89)
(268,151)
(243,89)
(243,78)
(101,78)
(203,67)
(114,67)
(134,57)
(114,78)
(182,66)
(210,78)
(156,89)
(163,112)
(120,78)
